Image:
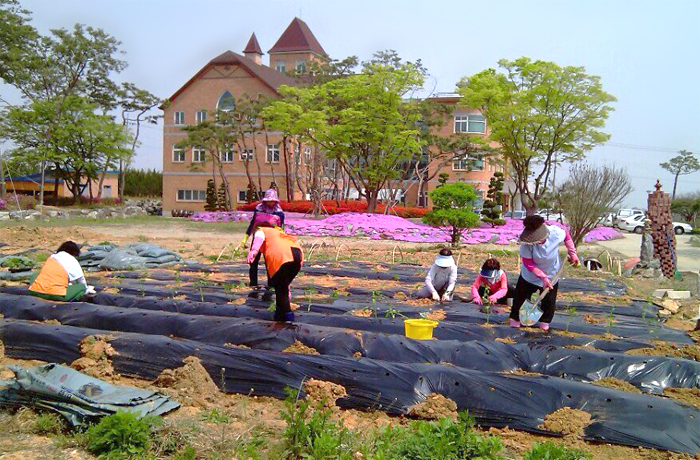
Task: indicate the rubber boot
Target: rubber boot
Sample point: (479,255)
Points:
(543,326)
(289,317)
(513,322)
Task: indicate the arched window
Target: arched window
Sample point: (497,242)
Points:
(226,102)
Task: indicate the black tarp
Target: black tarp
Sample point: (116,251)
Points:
(519,402)
(651,374)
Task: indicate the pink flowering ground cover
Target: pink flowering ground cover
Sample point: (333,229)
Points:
(385,227)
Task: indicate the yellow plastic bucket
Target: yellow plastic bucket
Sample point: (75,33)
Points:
(419,329)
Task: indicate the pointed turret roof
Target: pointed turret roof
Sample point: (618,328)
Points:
(253,46)
(297,37)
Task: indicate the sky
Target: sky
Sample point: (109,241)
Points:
(646,52)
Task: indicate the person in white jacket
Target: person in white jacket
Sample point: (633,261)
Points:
(441,278)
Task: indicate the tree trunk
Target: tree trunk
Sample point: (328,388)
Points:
(3,186)
(41,185)
(675,184)
(287,181)
(315,194)
(371,200)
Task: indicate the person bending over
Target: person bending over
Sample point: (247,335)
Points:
(265,211)
(494,279)
(283,260)
(441,278)
(539,251)
(61,278)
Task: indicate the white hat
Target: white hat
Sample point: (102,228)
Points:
(444,261)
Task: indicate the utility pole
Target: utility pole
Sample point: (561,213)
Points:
(3,187)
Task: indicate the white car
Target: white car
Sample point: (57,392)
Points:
(518,215)
(551,215)
(635,224)
(624,214)
(607,220)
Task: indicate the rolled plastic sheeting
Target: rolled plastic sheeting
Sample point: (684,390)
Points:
(79,398)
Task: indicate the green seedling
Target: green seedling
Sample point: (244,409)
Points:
(272,306)
(334,294)
(570,313)
(487,309)
(393,313)
(611,319)
(215,416)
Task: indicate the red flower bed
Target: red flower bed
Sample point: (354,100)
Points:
(332,207)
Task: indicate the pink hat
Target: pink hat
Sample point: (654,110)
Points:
(271,195)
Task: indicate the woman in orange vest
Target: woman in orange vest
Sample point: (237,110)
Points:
(283,259)
(61,278)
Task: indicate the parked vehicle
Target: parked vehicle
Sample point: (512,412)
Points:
(520,215)
(607,220)
(548,214)
(680,228)
(635,224)
(623,214)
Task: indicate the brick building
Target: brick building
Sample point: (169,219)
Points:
(227,78)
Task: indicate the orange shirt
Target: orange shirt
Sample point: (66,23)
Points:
(277,249)
(52,279)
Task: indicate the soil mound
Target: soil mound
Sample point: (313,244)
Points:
(669,349)
(95,360)
(322,391)
(505,340)
(191,384)
(362,312)
(435,406)
(298,347)
(617,384)
(686,395)
(567,421)
(436,315)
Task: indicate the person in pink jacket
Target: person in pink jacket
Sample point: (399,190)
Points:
(539,252)
(492,277)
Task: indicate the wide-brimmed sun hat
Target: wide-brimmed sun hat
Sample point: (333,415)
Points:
(444,261)
(535,230)
(271,195)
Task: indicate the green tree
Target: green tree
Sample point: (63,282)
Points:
(540,114)
(589,192)
(85,145)
(362,121)
(222,203)
(682,164)
(212,203)
(453,206)
(494,201)
(135,106)
(687,206)
(143,183)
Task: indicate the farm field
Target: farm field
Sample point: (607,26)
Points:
(609,378)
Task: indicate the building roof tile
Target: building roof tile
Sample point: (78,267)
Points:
(253,46)
(270,77)
(297,37)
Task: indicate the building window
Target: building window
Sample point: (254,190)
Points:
(307,155)
(191,195)
(199,155)
(178,155)
(226,102)
(227,156)
(297,155)
(280,66)
(472,123)
(301,65)
(467,163)
(179,118)
(273,153)
(246,154)
(242,196)
(201,116)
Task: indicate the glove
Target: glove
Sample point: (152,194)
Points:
(446,297)
(547,284)
(573,260)
(251,257)
(436,296)
(477,300)
(493,299)
(90,290)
